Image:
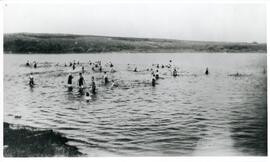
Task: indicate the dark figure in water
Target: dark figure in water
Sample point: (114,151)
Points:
(106,80)
(206,71)
(82,69)
(174,72)
(153,81)
(73,66)
(70,64)
(111,65)
(87,96)
(162,66)
(70,77)
(93,86)
(65,65)
(27,63)
(81,81)
(100,68)
(157,65)
(35,64)
(135,70)
(31,80)
(157,75)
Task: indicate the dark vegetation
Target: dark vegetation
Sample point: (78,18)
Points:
(67,43)
(21,141)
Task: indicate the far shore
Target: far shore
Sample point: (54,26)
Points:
(33,43)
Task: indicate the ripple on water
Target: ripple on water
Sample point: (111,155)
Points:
(192,114)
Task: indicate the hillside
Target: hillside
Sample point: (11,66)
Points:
(67,43)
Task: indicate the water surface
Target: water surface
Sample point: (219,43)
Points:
(193,114)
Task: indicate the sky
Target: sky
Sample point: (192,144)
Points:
(184,21)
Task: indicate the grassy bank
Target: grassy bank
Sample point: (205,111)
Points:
(67,43)
(21,141)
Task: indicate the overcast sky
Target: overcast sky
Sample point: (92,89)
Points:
(205,22)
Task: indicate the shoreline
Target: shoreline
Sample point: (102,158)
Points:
(66,43)
(25,141)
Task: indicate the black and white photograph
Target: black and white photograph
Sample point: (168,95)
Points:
(134,79)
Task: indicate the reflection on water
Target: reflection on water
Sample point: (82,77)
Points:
(192,114)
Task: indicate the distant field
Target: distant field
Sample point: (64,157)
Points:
(67,43)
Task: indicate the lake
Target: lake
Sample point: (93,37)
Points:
(188,115)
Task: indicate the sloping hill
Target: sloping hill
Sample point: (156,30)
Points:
(68,43)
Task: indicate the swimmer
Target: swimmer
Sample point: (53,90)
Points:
(157,75)
(152,72)
(93,86)
(81,81)
(100,68)
(174,72)
(135,70)
(105,77)
(206,71)
(82,69)
(70,77)
(35,64)
(27,63)
(153,81)
(70,64)
(87,97)
(111,65)
(31,80)
(73,66)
